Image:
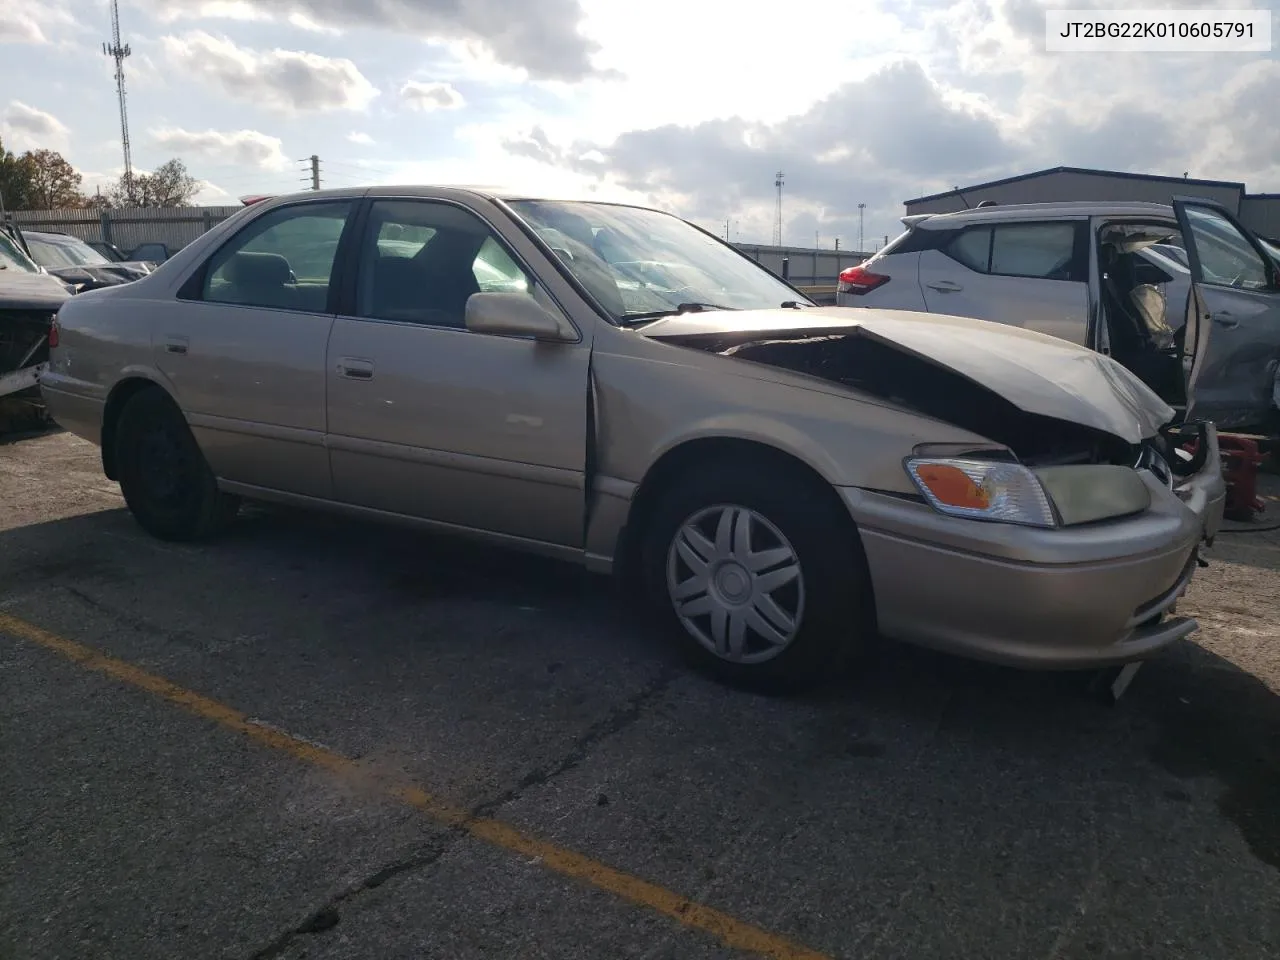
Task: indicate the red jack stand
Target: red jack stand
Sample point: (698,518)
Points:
(1241,459)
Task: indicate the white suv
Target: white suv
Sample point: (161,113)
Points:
(1104,275)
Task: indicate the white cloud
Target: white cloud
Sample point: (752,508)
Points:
(543,38)
(27,128)
(246,148)
(18,26)
(430,96)
(36,23)
(284,80)
(172,10)
(361,138)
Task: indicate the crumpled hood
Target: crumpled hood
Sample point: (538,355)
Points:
(1038,374)
(31,291)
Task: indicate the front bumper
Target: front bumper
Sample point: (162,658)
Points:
(1084,597)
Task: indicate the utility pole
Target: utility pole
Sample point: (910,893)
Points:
(314,178)
(777,229)
(117,51)
(837,243)
(861,241)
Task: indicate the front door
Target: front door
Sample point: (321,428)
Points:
(243,348)
(1235,300)
(431,420)
(1026,274)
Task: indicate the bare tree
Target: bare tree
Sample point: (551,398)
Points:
(168,185)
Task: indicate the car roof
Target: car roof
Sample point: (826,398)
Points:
(1034,211)
(488,192)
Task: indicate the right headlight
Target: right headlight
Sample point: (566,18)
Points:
(1007,492)
(982,490)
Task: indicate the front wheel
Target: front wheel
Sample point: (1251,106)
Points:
(164,477)
(761,574)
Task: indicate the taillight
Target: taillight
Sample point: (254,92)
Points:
(53,333)
(860,280)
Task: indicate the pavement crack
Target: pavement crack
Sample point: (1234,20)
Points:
(329,915)
(618,719)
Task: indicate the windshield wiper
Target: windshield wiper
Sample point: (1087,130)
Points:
(695,307)
(794,305)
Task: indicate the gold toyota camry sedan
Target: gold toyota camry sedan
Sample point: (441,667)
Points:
(612,385)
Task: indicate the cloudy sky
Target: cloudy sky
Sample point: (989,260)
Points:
(689,104)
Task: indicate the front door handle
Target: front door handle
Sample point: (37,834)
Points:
(1224,318)
(944,286)
(176,344)
(353,368)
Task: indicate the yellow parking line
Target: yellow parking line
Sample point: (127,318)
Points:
(730,931)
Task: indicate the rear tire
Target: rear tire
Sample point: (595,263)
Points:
(782,611)
(164,477)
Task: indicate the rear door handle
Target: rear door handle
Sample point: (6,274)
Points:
(353,368)
(944,286)
(1225,318)
(176,344)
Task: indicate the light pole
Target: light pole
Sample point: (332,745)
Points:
(779,179)
(861,241)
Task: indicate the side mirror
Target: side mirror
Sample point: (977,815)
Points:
(515,315)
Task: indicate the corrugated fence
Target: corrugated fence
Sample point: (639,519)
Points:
(177,226)
(127,227)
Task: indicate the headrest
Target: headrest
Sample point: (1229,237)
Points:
(259,270)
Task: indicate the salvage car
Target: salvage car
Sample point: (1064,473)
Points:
(782,480)
(29,298)
(71,259)
(1079,271)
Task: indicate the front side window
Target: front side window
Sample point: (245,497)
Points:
(420,262)
(1226,255)
(638,262)
(282,260)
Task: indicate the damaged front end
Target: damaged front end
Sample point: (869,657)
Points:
(1046,407)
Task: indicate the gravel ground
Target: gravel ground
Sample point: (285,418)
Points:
(320,739)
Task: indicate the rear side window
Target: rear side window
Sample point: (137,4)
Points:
(282,260)
(972,248)
(1045,251)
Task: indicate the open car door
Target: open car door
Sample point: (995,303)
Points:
(1235,301)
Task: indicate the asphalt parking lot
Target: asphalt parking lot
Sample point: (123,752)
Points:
(319,739)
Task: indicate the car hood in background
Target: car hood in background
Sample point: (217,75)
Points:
(1036,373)
(90,276)
(31,291)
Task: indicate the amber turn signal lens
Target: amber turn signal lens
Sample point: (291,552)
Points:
(953,486)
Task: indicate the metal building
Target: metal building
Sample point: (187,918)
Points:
(1260,212)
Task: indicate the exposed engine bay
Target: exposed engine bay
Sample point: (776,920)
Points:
(887,373)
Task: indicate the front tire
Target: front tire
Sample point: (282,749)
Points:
(762,575)
(164,477)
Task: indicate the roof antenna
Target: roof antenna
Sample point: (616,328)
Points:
(962,198)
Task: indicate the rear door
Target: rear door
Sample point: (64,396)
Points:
(1031,274)
(243,347)
(1235,302)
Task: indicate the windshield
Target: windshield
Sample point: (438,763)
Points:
(66,252)
(12,257)
(636,261)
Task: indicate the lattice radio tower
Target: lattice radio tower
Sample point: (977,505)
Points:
(118,51)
